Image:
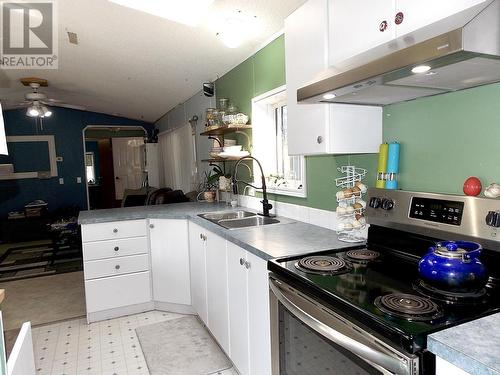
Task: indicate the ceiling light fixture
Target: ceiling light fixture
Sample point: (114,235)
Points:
(32,111)
(187,12)
(329,96)
(421,69)
(238,29)
(37,110)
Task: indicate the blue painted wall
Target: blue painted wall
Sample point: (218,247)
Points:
(66,125)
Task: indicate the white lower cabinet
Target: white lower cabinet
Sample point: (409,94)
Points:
(237,278)
(117,269)
(198,267)
(170,261)
(249,319)
(118,291)
(217,298)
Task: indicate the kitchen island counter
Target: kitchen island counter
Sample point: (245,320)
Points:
(267,242)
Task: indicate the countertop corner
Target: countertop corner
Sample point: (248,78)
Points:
(479,354)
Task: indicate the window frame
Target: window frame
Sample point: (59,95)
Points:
(265,105)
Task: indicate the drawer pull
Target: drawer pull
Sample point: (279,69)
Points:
(151,226)
(117,267)
(117,248)
(115,230)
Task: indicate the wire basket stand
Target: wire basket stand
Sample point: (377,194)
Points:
(351,206)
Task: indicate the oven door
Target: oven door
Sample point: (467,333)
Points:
(309,339)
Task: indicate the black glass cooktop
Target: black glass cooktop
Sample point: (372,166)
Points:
(380,291)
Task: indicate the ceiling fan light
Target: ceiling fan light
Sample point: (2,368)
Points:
(46,112)
(32,111)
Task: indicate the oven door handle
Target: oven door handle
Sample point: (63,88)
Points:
(397,366)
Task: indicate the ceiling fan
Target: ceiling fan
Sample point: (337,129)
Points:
(37,101)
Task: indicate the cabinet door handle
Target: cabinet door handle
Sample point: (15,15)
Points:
(319,139)
(400,16)
(248,265)
(115,230)
(151,226)
(383,26)
(117,267)
(201,236)
(242,261)
(117,248)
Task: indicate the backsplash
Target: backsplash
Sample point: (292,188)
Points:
(447,138)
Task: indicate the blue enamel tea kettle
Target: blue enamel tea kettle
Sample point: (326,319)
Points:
(454,266)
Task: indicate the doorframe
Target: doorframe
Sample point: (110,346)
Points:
(87,127)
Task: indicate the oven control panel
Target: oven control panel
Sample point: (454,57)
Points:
(437,210)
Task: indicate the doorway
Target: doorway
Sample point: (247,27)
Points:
(114,162)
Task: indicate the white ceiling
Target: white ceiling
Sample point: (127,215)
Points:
(138,65)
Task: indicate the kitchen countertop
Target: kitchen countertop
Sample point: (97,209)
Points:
(267,242)
(473,346)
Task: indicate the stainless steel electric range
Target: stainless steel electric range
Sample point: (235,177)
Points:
(365,310)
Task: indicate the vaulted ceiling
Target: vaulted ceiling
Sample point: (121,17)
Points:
(138,65)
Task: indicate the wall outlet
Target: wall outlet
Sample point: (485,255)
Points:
(61,181)
(78,180)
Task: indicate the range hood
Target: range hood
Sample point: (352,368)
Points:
(462,58)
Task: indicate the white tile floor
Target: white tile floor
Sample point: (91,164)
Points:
(109,347)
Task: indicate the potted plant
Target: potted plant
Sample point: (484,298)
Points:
(211,182)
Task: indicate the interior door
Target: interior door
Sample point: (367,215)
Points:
(127,164)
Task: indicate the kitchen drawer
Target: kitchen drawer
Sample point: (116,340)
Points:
(116,229)
(117,291)
(115,248)
(116,266)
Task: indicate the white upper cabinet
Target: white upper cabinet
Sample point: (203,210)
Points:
(306,36)
(311,127)
(359,25)
(413,15)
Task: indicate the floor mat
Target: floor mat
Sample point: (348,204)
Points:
(181,347)
(37,259)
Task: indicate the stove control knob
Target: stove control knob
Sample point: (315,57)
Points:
(374,202)
(493,219)
(387,204)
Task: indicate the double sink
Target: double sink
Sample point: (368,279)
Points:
(238,219)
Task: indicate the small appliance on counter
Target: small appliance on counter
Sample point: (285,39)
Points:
(369,309)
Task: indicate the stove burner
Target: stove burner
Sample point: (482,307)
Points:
(408,306)
(322,265)
(471,297)
(362,254)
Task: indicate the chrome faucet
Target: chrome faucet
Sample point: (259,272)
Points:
(266,206)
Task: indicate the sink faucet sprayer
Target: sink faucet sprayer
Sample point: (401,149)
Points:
(266,206)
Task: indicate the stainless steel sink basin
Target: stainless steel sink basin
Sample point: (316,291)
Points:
(217,216)
(252,221)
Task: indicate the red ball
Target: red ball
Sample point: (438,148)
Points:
(472,186)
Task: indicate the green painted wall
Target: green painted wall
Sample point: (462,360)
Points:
(447,138)
(265,71)
(444,138)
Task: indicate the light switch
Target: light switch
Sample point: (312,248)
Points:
(78,180)
(61,181)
